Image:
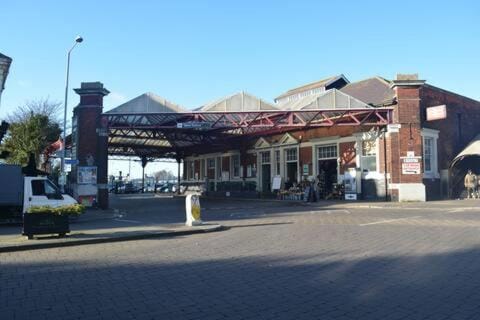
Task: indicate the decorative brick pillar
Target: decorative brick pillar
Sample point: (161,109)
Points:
(89,145)
(406,141)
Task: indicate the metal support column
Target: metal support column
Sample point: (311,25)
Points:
(144,164)
(179,162)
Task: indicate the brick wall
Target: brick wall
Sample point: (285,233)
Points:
(407,114)
(306,158)
(347,154)
(87,123)
(458,129)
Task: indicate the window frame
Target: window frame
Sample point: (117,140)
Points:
(334,145)
(263,156)
(370,156)
(278,162)
(232,166)
(432,134)
(286,150)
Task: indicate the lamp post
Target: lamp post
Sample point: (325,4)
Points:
(78,40)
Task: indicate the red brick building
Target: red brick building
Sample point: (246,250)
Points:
(409,160)
(406,156)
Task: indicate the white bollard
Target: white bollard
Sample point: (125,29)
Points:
(192,207)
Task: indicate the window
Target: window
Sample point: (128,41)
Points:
(327,152)
(427,154)
(369,155)
(430,153)
(44,188)
(291,155)
(265,157)
(219,168)
(236,165)
(211,163)
(202,168)
(38,188)
(277,162)
(191,170)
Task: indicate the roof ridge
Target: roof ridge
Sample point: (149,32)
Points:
(241,92)
(304,86)
(155,98)
(379,78)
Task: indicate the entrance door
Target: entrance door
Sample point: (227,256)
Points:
(266,177)
(327,176)
(292,169)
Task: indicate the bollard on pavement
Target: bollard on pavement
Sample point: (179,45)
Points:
(193,209)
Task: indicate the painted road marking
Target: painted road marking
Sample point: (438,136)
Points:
(128,221)
(387,221)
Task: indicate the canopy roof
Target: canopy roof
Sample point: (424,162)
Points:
(473,149)
(332,99)
(240,101)
(151,126)
(184,133)
(147,102)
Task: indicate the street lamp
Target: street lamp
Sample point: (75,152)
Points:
(78,40)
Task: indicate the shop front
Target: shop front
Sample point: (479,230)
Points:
(292,168)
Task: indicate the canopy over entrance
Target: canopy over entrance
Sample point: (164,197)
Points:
(472,150)
(468,159)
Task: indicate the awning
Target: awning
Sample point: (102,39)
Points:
(473,149)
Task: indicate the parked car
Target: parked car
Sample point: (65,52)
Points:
(167,187)
(130,188)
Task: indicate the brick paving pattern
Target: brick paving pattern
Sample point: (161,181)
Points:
(273,263)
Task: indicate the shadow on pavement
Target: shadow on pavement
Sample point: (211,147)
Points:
(437,286)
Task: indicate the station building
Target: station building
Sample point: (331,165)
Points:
(410,159)
(400,140)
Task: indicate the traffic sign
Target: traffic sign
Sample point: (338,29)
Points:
(71,161)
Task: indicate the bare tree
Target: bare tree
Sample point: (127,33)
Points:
(43,107)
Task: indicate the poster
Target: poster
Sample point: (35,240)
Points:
(87,175)
(411,168)
(277,182)
(411,164)
(350,181)
(305,170)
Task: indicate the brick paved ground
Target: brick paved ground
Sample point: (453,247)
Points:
(275,262)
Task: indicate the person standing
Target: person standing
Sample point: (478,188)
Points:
(470,183)
(477,194)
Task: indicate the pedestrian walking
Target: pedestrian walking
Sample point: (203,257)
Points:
(470,183)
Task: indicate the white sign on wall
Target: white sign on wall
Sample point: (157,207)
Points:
(411,164)
(437,113)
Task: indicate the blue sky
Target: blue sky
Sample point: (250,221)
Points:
(192,52)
